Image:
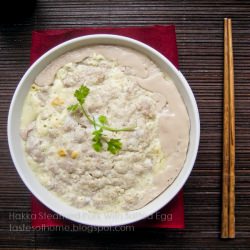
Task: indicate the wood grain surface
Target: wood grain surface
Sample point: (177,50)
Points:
(199,27)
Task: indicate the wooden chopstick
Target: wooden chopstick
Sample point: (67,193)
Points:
(231,230)
(225,175)
(228,178)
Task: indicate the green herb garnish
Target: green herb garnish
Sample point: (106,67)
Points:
(98,139)
(114,146)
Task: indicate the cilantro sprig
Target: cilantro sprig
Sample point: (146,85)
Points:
(99,138)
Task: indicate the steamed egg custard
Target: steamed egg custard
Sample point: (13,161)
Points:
(68,144)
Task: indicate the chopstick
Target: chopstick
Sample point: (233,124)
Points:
(231,230)
(228,178)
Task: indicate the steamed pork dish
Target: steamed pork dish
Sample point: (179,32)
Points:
(105,129)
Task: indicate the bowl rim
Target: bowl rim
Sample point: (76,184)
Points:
(124,219)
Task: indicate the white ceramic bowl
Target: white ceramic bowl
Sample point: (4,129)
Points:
(50,200)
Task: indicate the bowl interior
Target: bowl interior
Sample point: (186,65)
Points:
(47,197)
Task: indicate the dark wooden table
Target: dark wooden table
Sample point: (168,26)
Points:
(199,27)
